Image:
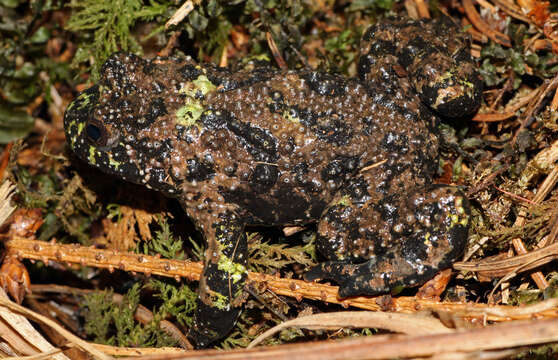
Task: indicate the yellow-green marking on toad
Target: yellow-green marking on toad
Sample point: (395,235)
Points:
(189,114)
(235,270)
(80,127)
(83,99)
(92,153)
(345,201)
(203,84)
(219,301)
(115,164)
(287,116)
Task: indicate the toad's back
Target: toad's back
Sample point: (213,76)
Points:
(283,147)
(279,145)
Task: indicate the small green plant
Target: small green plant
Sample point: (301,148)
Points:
(105,27)
(112,323)
(26,70)
(498,63)
(178,302)
(164,243)
(267,257)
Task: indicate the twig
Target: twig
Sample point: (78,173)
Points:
(483,27)
(512,10)
(515,196)
(545,188)
(6,208)
(110,259)
(524,100)
(422,9)
(411,8)
(501,267)
(5,159)
(181,13)
(224,60)
(493,117)
(275,51)
(508,85)
(554,103)
(549,86)
(489,179)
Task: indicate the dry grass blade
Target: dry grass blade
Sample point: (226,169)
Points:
(68,335)
(413,324)
(131,351)
(181,13)
(6,209)
(46,355)
(520,263)
(21,335)
(398,346)
(476,355)
(12,338)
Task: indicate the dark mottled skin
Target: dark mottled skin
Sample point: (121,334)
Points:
(275,148)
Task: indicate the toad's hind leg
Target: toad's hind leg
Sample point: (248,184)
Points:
(402,239)
(433,56)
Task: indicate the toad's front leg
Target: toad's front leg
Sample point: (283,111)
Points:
(224,273)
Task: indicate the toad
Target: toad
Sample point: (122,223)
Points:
(270,147)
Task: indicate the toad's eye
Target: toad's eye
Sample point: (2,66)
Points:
(96,133)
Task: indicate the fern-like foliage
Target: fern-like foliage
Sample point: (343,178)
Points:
(106,25)
(111,323)
(265,256)
(178,302)
(164,243)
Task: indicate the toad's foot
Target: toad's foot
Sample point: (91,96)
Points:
(428,233)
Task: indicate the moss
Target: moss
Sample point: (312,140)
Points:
(164,244)
(177,301)
(105,26)
(112,323)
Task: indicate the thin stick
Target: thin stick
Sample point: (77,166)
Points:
(111,259)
